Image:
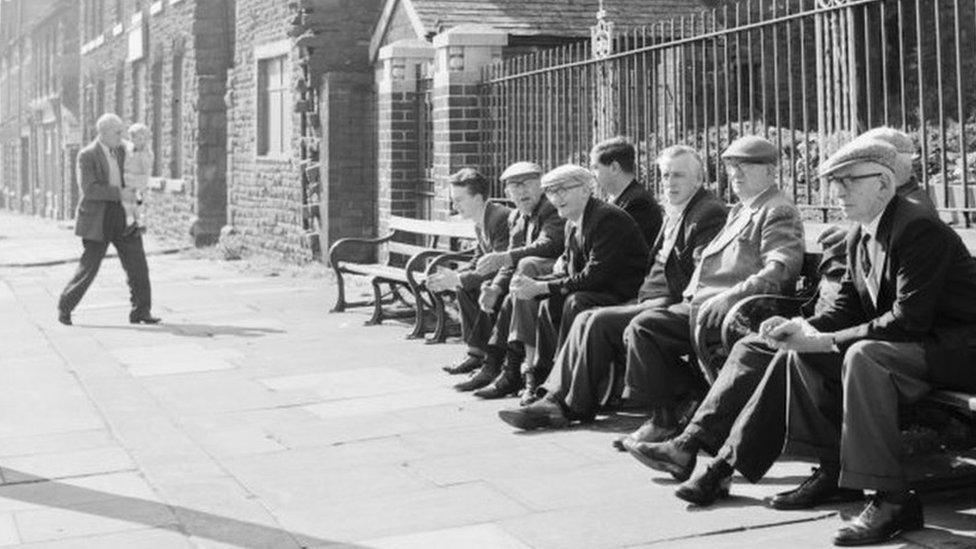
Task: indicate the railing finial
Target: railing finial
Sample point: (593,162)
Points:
(601,34)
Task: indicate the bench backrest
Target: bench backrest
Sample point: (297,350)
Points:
(434,232)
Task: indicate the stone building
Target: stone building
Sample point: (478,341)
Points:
(38,106)
(165,63)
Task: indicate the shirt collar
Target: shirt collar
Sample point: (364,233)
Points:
(871,227)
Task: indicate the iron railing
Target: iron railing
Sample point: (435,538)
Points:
(807,74)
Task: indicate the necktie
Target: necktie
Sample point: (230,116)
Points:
(865,259)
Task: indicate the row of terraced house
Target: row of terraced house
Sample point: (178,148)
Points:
(293,122)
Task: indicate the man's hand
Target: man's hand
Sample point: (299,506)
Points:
(524,287)
(798,335)
(831,236)
(768,325)
(713,311)
(488,298)
(443,280)
(492,263)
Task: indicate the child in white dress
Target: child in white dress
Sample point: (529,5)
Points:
(138,167)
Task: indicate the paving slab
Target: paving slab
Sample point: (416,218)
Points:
(473,537)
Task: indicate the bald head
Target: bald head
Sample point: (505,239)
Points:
(110,128)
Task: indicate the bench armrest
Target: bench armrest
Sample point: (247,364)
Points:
(745,316)
(446,257)
(345,243)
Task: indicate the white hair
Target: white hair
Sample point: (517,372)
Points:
(108,120)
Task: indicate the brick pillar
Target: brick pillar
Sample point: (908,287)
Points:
(461,53)
(396,99)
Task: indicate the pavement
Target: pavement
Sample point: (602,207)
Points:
(254,418)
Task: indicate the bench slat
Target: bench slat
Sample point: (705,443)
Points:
(453,229)
(403,248)
(383,271)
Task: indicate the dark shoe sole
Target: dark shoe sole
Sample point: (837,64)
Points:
(468,386)
(456,371)
(679,473)
(843,497)
(699,499)
(489,394)
(149,321)
(519,420)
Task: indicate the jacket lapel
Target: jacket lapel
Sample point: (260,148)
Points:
(884,244)
(737,223)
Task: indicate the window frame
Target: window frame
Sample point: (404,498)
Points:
(264,56)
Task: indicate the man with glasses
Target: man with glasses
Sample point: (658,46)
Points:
(535,241)
(603,264)
(583,376)
(759,251)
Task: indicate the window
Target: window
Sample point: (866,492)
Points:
(274,106)
(176,119)
(157,117)
(138,74)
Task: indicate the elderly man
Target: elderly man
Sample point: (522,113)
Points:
(469,195)
(604,263)
(535,241)
(583,373)
(760,250)
(613,162)
(101,220)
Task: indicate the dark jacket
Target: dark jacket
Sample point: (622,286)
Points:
(540,234)
(607,254)
(641,205)
(927,294)
(492,237)
(96,191)
(703,218)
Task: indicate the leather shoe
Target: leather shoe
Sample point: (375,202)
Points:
(64,317)
(531,392)
(712,485)
(650,431)
(482,378)
(144,319)
(542,414)
(880,521)
(820,487)
(507,383)
(668,457)
(468,365)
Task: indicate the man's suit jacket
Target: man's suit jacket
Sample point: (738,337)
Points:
(606,254)
(96,192)
(492,237)
(769,229)
(540,234)
(702,219)
(641,205)
(926,293)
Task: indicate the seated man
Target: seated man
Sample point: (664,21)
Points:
(759,251)
(469,196)
(535,241)
(613,164)
(901,324)
(583,373)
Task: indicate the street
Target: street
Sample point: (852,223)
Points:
(254,418)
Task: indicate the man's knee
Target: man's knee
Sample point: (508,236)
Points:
(534,266)
(862,358)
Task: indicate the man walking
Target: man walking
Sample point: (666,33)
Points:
(100,220)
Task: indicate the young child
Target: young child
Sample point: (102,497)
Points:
(138,166)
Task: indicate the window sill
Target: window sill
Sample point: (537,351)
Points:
(156,7)
(92,44)
(279,158)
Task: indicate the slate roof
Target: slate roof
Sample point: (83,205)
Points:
(549,17)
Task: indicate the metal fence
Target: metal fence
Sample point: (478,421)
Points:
(807,74)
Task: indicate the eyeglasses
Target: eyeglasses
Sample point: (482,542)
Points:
(733,165)
(513,184)
(561,191)
(847,180)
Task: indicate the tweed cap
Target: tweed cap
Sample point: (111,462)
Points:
(519,169)
(896,138)
(570,174)
(868,150)
(752,148)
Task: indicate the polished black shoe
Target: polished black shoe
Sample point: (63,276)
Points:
(709,487)
(507,383)
(820,487)
(467,365)
(64,317)
(668,457)
(880,521)
(482,378)
(650,431)
(531,392)
(542,414)
(144,319)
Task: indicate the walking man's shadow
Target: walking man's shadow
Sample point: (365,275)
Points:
(191,330)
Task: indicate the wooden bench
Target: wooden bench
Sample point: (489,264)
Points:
(404,268)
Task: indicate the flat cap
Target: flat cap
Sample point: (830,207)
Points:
(521,168)
(752,148)
(572,174)
(896,138)
(869,150)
